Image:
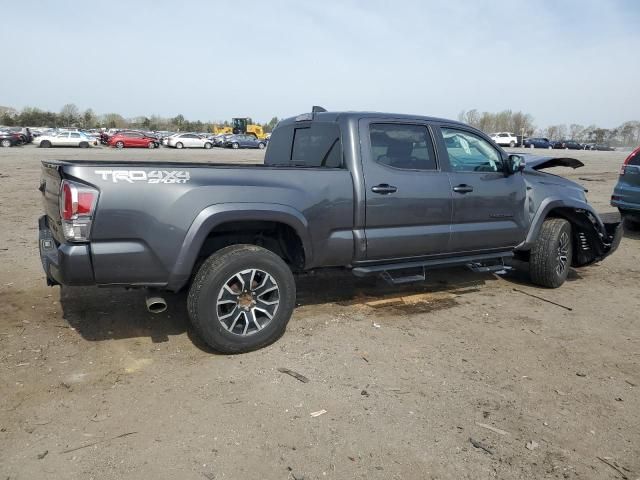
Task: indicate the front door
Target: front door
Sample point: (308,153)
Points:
(488,205)
(408,196)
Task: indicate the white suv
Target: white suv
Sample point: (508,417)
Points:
(505,139)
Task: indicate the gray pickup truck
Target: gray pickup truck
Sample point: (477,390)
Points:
(375,193)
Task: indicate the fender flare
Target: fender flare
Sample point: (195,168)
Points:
(547,205)
(215,215)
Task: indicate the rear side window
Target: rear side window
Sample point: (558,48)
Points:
(313,145)
(634,159)
(407,147)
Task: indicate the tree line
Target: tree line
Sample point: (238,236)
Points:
(71,116)
(625,135)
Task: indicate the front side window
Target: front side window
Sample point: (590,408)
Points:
(75,135)
(470,153)
(407,147)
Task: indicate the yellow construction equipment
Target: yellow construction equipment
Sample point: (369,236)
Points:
(240,126)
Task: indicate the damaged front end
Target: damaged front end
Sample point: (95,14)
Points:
(552,196)
(593,239)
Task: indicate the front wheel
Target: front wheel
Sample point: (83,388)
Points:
(207,146)
(119,144)
(261,145)
(6,142)
(151,145)
(235,145)
(551,254)
(83,145)
(512,144)
(241,299)
(179,145)
(45,144)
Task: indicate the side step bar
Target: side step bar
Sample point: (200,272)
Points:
(478,263)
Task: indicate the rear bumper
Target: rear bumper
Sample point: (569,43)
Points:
(63,264)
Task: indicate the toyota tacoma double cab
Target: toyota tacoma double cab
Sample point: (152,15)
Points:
(378,194)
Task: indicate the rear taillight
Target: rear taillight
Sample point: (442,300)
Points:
(77,204)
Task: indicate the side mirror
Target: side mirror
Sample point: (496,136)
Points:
(515,163)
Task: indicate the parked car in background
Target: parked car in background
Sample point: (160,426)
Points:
(244,141)
(537,142)
(66,139)
(189,140)
(567,145)
(218,140)
(601,147)
(505,139)
(132,139)
(8,139)
(626,194)
(23,132)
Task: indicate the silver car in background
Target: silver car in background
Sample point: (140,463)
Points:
(188,140)
(66,139)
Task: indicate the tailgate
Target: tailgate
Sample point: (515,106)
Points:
(50,188)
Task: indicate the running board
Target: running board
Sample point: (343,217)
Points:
(476,263)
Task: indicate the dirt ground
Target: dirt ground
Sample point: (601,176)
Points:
(464,376)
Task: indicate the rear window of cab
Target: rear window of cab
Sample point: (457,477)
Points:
(313,144)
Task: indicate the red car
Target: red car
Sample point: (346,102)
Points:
(132,139)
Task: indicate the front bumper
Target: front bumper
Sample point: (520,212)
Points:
(66,263)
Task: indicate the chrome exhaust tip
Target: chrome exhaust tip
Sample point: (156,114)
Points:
(156,304)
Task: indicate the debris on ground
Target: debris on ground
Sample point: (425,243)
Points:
(295,375)
(318,413)
(43,454)
(493,429)
(532,445)
(69,450)
(543,299)
(618,468)
(480,446)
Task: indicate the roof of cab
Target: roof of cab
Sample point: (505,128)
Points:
(336,116)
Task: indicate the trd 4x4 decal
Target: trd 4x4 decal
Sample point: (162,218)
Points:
(153,176)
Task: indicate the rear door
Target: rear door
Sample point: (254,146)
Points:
(488,205)
(408,196)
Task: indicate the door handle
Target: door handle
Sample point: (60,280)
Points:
(463,188)
(384,189)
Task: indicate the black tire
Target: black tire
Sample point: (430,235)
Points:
(45,144)
(179,145)
(216,272)
(512,144)
(207,146)
(83,145)
(235,145)
(554,242)
(261,145)
(119,144)
(6,142)
(151,145)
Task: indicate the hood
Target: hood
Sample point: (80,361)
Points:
(534,162)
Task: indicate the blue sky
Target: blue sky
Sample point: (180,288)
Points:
(562,61)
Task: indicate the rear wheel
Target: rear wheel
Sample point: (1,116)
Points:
(6,142)
(512,144)
(119,144)
(151,145)
(241,299)
(45,144)
(551,253)
(532,146)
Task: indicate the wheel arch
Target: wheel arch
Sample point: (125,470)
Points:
(241,219)
(588,232)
